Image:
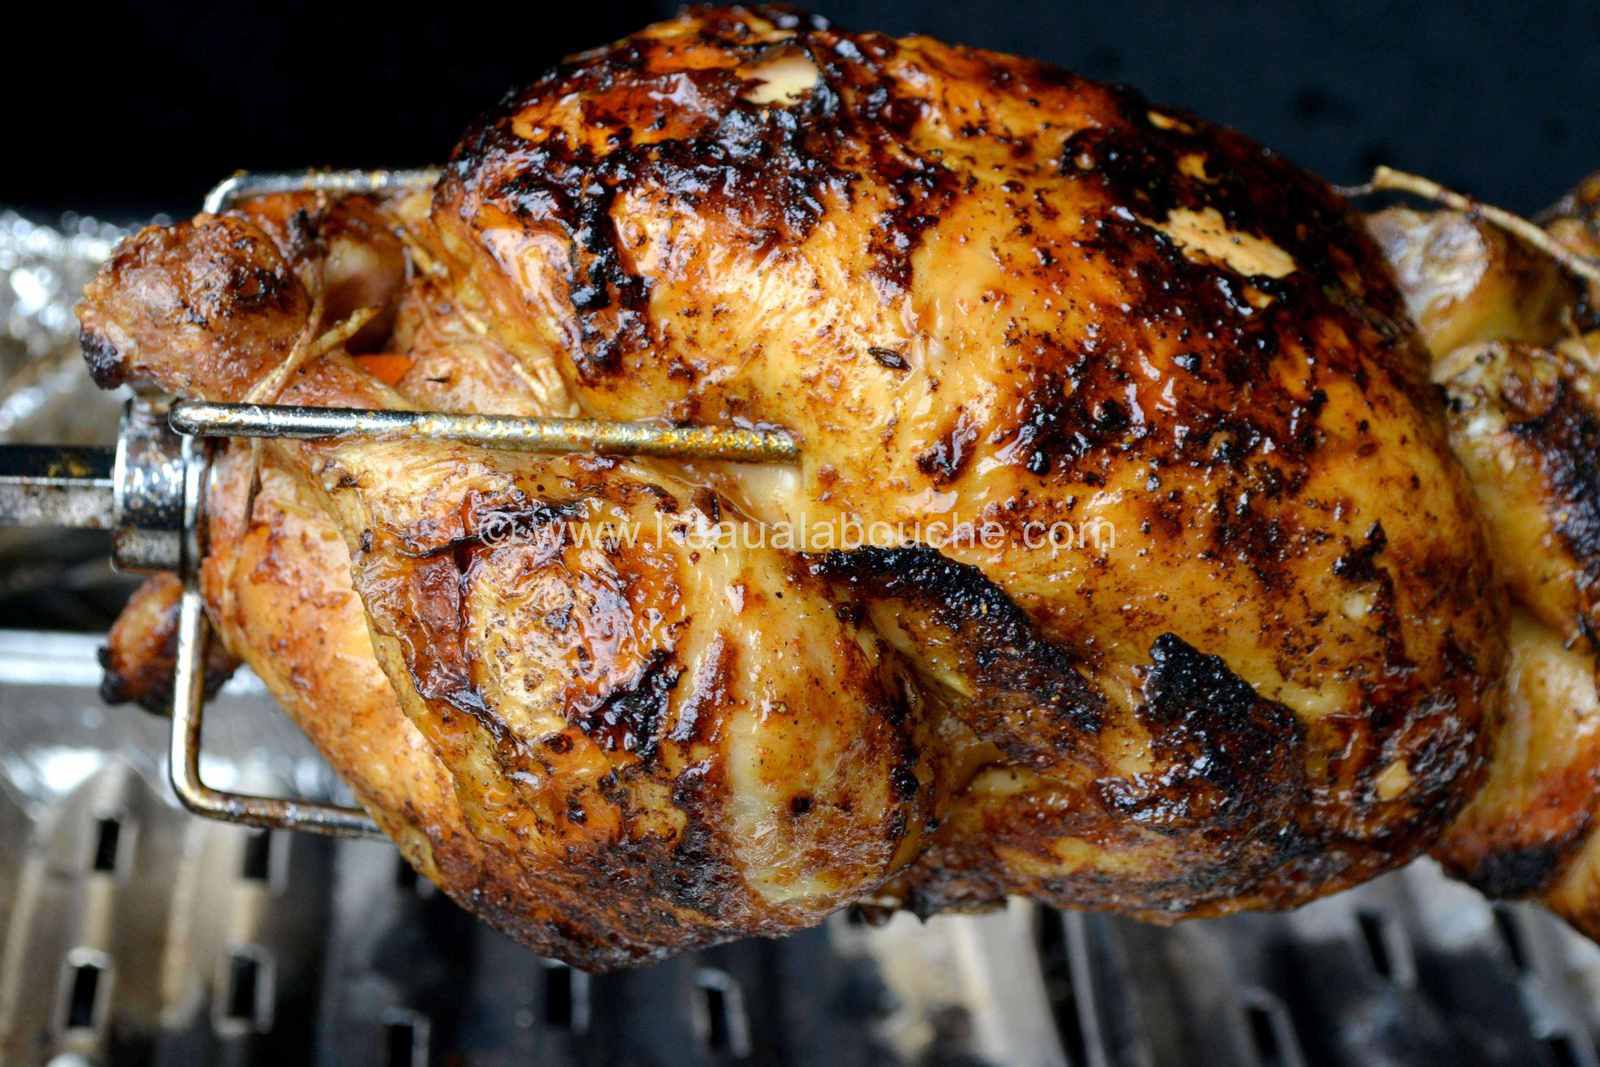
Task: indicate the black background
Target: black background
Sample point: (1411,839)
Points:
(123,112)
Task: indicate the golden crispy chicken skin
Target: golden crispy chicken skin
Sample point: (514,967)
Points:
(141,651)
(1524,417)
(1575,222)
(1126,565)
(1465,280)
(1526,423)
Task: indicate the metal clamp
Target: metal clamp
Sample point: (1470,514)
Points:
(147,490)
(188,685)
(188,713)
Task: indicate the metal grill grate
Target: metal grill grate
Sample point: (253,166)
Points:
(134,933)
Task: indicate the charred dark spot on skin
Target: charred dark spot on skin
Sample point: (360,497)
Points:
(305,233)
(105,362)
(150,685)
(702,876)
(244,275)
(903,778)
(922,191)
(1018,673)
(140,659)
(575,190)
(251,288)
(1246,528)
(1564,433)
(1061,415)
(1138,165)
(710,692)
(1230,756)
(894,703)
(938,883)
(629,717)
(888,358)
(520,520)
(1359,564)
(665,502)
(1518,872)
(949,455)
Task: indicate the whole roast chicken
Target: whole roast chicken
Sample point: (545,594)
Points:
(1129,563)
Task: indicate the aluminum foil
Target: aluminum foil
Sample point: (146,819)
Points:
(53,579)
(45,395)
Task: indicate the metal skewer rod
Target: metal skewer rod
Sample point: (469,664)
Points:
(507,432)
(245,186)
(48,485)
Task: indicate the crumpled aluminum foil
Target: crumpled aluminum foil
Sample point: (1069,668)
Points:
(53,579)
(45,396)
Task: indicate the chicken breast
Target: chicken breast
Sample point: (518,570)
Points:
(1126,564)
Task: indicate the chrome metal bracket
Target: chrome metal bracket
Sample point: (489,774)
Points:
(188,714)
(147,531)
(189,700)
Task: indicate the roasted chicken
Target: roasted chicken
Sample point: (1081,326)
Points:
(1507,333)
(1127,565)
